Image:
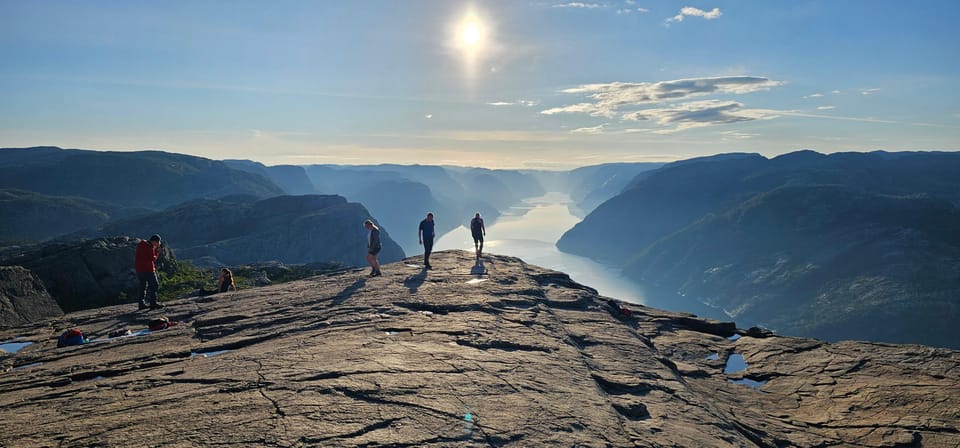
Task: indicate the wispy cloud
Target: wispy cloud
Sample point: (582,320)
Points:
(580,5)
(815,95)
(700,113)
(591,130)
(737,135)
(689,11)
(524,103)
(826,107)
(610,98)
(868,91)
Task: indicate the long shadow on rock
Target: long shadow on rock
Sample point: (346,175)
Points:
(347,292)
(413,282)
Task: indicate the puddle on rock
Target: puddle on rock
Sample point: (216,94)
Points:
(749,383)
(476,281)
(208,354)
(713,357)
(13,347)
(734,337)
(735,363)
(27,366)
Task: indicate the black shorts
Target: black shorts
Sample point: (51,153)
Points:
(477,238)
(373,251)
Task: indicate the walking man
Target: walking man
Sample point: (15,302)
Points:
(425,235)
(478,231)
(373,247)
(146,254)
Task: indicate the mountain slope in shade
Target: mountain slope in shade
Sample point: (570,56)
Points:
(833,246)
(144,179)
(291,229)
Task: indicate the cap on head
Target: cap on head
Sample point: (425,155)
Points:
(155,238)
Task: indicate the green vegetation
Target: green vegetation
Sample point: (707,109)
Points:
(180,279)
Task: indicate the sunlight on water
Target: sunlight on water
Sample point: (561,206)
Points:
(532,236)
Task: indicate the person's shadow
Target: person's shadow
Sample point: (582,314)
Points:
(342,296)
(413,282)
(478,269)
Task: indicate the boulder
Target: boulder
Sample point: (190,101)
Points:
(23,298)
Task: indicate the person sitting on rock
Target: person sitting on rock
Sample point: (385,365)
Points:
(146,254)
(226,280)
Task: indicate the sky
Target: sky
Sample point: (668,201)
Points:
(499,84)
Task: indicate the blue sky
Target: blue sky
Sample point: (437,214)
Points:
(540,84)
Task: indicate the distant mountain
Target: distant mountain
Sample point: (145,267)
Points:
(835,246)
(32,216)
(147,179)
(401,195)
(292,179)
(290,229)
(591,186)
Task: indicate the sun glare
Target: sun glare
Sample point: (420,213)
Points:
(470,33)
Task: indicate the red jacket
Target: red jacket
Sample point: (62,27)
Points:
(146,255)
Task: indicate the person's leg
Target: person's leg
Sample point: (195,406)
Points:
(376,265)
(476,247)
(480,249)
(372,261)
(153,285)
(142,277)
(427,249)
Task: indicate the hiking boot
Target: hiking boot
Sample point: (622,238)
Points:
(141,306)
(156,306)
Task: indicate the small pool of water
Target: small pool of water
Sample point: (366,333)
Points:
(713,357)
(749,383)
(476,281)
(734,337)
(28,366)
(208,354)
(735,363)
(13,347)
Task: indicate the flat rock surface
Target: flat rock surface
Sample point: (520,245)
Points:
(503,354)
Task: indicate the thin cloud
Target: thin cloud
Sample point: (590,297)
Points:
(869,91)
(610,98)
(579,5)
(643,10)
(591,130)
(697,114)
(689,11)
(524,103)
(826,107)
(815,95)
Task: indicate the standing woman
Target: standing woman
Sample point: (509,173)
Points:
(373,247)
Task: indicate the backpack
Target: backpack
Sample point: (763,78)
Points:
(160,323)
(73,336)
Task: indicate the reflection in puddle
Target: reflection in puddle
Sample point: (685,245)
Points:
(713,357)
(749,383)
(208,354)
(27,366)
(476,280)
(13,347)
(735,363)
(392,333)
(413,265)
(734,337)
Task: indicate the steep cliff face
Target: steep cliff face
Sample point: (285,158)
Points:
(498,354)
(23,298)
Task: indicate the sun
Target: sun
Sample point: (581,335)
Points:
(471,33)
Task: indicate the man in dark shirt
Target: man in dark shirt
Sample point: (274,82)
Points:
(425,235)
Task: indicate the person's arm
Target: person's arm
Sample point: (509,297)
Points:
(484,228)
(420,233)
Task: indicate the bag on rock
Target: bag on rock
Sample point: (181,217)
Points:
(73,336)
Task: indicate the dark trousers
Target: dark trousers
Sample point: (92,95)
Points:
(148,287)
(427,248)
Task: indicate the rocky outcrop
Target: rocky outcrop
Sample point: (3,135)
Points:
(23,298)
(84,274)
(499,354)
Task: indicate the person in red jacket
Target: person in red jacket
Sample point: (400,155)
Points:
(147,252)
